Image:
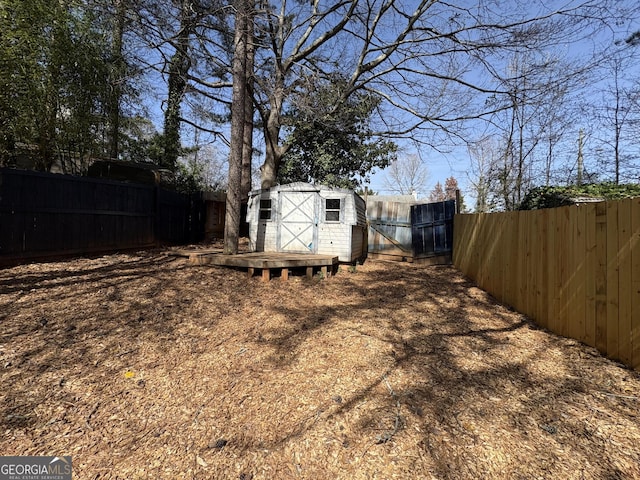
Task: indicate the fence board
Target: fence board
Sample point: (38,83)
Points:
(498,255)
(553,290)
(542,273)
(635,283)
(601,277)
(410,231)
(522,242)
(624,280)
(576,289)
(612,279)
(560,261)
(389,228)
(574,270)
(513,247)
(590,261)
(432,228)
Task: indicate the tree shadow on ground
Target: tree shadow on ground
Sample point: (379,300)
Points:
(420,349)
(69,319)
(471,376)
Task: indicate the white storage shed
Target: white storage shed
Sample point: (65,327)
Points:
(305,218)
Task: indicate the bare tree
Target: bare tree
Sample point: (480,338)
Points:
(408,175)
(429,63)
(618,114)
(483,157)
(525,124)
(451,188)
(434,65)
(437,194)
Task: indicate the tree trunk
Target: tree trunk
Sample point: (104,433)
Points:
(617,128)
(48,120)
(272,126)
(247,145)
(238,115)
(178,69)
(47,124)
(273,151)
(117,73)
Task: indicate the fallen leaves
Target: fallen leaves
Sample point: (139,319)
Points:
(390,371)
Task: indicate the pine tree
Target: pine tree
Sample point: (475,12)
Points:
(450,188)
(437,194)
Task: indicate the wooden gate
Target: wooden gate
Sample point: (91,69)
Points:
(432,228)
(389,229)
(298,222)
(407,232)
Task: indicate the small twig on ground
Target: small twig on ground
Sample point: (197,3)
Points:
(628,397)
(94,410)
(389,434)
(122,354)
(385,437)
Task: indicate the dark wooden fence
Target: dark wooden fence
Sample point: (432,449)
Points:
(432,228)
(45,214)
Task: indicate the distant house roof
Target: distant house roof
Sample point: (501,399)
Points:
(214,196)
(300,187)
(146,173)
(393,198)
(579,200)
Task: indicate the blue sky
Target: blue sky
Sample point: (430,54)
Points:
(591,93)
(453,161)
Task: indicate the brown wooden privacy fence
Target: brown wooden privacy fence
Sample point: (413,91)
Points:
(45,214)
(574,270)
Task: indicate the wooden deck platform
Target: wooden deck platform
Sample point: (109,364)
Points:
(265,262)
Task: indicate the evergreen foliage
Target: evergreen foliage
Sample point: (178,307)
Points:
(558,196)
(53,81)
(333,144)
(62,85)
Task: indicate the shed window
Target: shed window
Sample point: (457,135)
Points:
(332,209)
(265,209)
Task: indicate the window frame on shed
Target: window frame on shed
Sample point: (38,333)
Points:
(332,210)
(265,213)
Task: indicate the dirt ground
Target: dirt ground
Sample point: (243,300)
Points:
(142,366)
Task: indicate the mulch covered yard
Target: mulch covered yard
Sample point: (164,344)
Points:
(142,366)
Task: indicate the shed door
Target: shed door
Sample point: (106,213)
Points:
(298,222)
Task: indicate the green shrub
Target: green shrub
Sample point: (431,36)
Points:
(550,197)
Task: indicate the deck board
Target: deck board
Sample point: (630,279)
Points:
(265,261)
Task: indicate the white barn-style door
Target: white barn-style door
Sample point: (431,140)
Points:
(297,229)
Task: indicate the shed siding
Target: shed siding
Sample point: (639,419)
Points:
(357,242)
(334,239)
(361,211)
(350,214)
(331,238)
(265,234)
